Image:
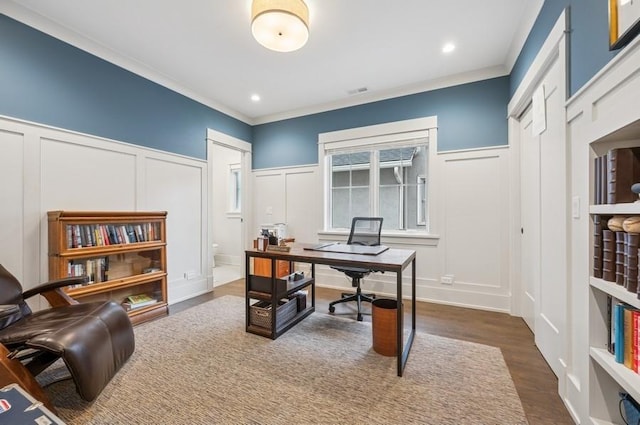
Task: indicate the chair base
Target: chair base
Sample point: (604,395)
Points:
(358,297)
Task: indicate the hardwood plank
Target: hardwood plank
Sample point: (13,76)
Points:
(535,383)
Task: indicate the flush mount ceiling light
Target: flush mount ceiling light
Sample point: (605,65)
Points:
(280,25)
(448,48)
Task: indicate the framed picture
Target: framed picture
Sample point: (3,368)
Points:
(624,22)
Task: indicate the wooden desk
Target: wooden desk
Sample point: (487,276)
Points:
(392,260)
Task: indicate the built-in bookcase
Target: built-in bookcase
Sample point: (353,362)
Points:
(613,279)
(123,254)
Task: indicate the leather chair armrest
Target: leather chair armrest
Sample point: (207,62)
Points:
(52,290)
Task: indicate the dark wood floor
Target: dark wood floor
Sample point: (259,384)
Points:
(536,384)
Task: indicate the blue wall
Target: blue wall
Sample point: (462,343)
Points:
(469,116)
(588,40)
(50,82)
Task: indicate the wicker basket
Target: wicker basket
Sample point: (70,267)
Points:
(260,313)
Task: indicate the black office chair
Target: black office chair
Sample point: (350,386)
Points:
(364,231)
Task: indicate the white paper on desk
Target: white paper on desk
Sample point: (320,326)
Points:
(539,111)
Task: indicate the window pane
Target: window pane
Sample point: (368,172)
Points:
(350,187)
(390,206)
(399,170)
(340,213)
(359,203)
(235,189)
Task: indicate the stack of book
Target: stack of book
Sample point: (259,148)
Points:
(614,174)
(624,340)
(616,250)
(138,301)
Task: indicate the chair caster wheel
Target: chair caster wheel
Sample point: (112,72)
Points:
(332,309)
(359,317)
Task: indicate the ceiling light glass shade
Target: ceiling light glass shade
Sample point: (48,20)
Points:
(280,25)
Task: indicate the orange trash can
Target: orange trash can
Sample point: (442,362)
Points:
(384,325)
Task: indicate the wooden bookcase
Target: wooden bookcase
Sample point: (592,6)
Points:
(123,253)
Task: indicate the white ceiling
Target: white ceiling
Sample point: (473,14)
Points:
(204,48)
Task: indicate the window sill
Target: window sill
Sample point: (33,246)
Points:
(234,215)
(388,237)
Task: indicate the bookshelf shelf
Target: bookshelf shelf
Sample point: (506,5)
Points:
(625,377)
(615,291)
(123,253)
(92,251)
(616,209)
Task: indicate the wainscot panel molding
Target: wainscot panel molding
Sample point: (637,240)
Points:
(45,168)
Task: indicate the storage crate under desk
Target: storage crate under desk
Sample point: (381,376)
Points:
(260,313)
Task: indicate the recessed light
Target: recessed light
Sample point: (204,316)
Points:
(448,48)
(255,98)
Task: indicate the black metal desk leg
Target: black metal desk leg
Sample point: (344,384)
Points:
(399,321)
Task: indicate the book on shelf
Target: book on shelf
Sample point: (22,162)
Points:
(597,188)
(631,261)
(628,337)
(618,332)
(597,246)
(608,256)
(604,175)
(609,323)
(623,171)
(620,249)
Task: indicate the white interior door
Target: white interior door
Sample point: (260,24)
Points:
(530,219)
(544,221)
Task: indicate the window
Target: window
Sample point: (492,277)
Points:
(349,187)
(235,189)
(384,173)
(353,186)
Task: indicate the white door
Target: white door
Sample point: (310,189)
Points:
(530,218)
(544,222)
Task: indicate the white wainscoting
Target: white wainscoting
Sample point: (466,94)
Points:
(472,235)
(44,168)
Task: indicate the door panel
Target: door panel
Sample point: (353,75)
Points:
(530,219)
(544,222)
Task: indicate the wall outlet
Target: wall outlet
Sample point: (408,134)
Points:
(189,275)
(447,279)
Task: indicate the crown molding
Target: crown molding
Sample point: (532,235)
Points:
(370,97)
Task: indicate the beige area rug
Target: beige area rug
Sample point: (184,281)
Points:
(199,366)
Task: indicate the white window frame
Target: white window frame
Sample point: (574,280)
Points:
(394,134)
(421,198)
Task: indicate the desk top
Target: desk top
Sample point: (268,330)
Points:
(389,260)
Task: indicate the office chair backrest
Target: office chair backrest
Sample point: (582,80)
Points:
(365,231)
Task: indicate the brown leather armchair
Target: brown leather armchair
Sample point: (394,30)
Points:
(93,339)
